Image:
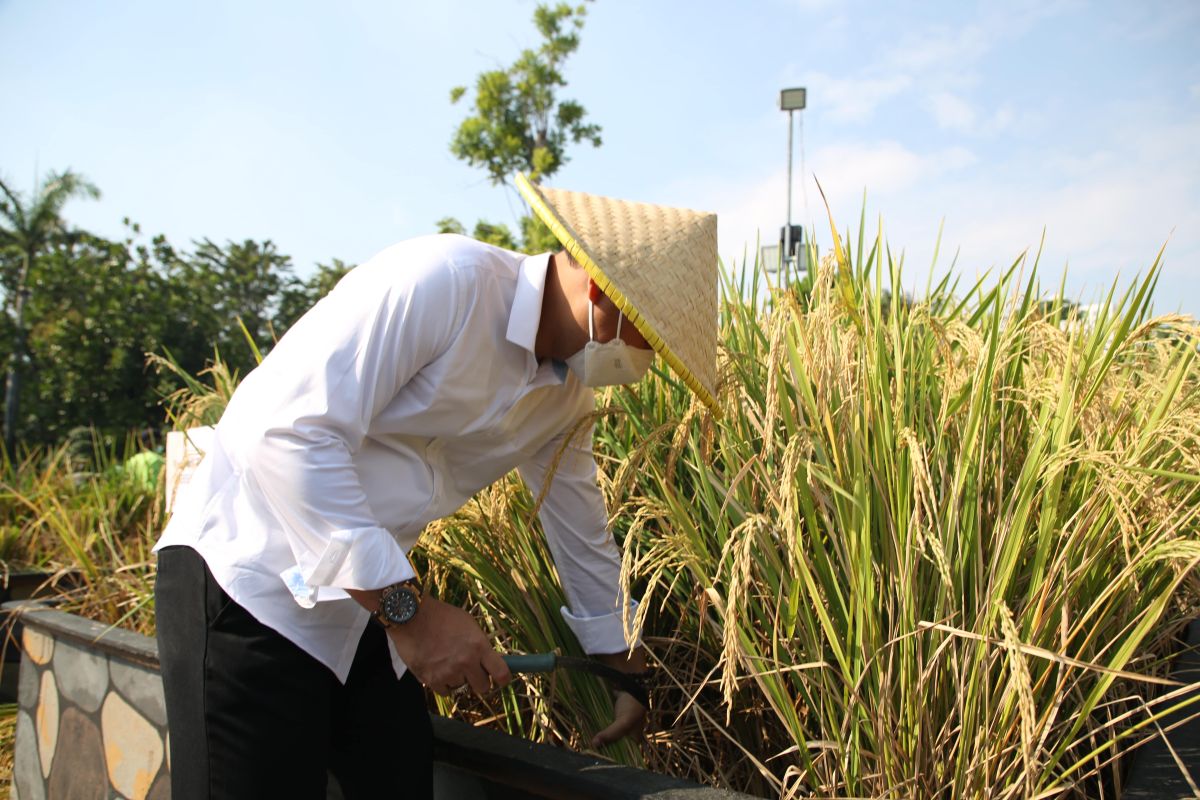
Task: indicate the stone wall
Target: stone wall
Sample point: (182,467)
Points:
(92,724)
(91,721)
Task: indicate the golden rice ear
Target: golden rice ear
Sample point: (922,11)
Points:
(657,264)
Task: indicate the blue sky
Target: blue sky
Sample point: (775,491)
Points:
(325,126)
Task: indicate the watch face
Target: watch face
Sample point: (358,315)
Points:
(400,605)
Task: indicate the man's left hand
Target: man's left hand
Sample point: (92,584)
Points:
(629,716)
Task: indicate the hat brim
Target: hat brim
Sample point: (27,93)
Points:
(578,250)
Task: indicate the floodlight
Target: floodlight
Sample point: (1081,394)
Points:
(792,99)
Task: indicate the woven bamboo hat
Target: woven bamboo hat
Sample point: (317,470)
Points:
(657,264)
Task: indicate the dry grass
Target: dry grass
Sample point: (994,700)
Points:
(76,513)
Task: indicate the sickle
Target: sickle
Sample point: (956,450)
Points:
(630,683)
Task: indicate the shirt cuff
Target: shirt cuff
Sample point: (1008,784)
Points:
(360,558)
(601,635)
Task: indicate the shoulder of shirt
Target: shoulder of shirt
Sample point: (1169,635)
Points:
(425,255)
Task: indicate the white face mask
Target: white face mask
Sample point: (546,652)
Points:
(609,363)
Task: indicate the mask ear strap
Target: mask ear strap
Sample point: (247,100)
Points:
(620,316)
(591,320)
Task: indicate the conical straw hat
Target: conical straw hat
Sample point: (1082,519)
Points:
(657,264)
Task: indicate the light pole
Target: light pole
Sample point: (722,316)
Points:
(790,100)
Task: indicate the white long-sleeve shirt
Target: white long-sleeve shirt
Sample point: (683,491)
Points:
(407,389)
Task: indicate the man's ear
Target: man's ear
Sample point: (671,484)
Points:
(594,293)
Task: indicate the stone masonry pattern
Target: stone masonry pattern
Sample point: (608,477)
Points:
(112,713)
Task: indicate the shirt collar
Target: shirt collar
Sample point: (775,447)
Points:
(526,312)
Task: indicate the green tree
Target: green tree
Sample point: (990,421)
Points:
(83,311)
(28,228)
(96,312)
(519,123)
(299,296)
(497,234)
(222,289)
(536,235)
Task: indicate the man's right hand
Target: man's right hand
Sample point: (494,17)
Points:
(445,649)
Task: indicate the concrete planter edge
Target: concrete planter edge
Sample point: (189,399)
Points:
(94,691)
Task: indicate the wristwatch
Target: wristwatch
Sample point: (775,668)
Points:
(398,603)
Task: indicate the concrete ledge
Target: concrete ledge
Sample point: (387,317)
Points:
(1154,775)
(91,721)
(542,771)
(97,636)
(78,662)
(29,582)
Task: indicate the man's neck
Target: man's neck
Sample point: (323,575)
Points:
(557,320)
(551,300)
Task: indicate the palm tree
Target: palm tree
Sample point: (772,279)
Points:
(28,228)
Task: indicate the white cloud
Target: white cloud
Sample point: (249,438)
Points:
(940,61)
(854,99)
(1014,18)
(1102,210)
(1105,215)
(1081,165)
(940,48)
(815,5)
(1006,118)
(1098,230)
(951,111)
(1106,210)
(882,168)
(755,209)
(945,62)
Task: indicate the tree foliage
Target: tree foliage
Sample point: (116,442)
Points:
(298,296)
(491,233)
(520,124)
(96,307)
(90,320)
(26,230)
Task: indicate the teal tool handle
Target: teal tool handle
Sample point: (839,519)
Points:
(534,662)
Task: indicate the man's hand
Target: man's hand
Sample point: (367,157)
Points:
(629,717)
(445,648)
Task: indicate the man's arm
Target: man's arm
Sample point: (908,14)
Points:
(443,646)
(575,522)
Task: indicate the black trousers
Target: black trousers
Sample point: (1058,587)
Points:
(251,715)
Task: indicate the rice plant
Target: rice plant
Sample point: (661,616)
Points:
(489,559)
(935,548)
(932,548)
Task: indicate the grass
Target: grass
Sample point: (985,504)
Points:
(75,512)
(8,739)
(936,547)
